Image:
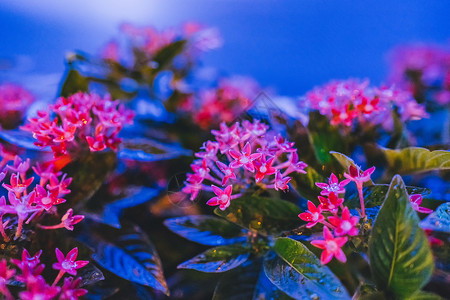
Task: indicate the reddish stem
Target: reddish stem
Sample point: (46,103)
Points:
(361,200)
(58,278)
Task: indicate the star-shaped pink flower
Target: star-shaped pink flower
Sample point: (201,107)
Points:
(416,200)
(346,224)
(263,167)
(313,215)
(358,176)
(68,264)
(333,185)
(331,203)
(331,247)
(244,158)
(223,197)
(281,183)
(227,171)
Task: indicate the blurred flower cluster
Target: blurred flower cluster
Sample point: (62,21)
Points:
(78,120)
(243,154)
(28,272)
(14,102)
(27,202)
(346,102)
(422,69)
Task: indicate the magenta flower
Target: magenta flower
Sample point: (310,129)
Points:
(281,183)
(5,275)
(244,158)
(263,167)
(67,221)
(29,265)
(39,289)
(47,199)
(193,185)
(331,203)
(201,169)
(295,164)
(67,264)
(19,166)
(71,289)
(45,173)
(416,200)
(60,185)
(346,224)
(333,186)
(358,176)
(313,215)
(210,152)
(17,185)
(331,247)
(223,197)
(227,171)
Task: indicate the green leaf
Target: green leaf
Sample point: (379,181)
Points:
(74,82)
(265,215)
(148,150)
(324,138)
(89,172)
(206,230)
(438,220)
(299,273)
(166,55)
(218,259)
(343,160)
(374,195)
(421,295)
(416,160)
(400,256)
(305,183)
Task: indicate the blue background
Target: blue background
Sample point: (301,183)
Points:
(290,46)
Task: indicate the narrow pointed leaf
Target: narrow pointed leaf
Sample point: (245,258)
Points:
(74,82)
(206,230)
(298,272)
(416,160)
(218,259)
(267,216)
(400,256)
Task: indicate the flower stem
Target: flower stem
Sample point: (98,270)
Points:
(58,278)
(19,227)
(361,200)
(2,231)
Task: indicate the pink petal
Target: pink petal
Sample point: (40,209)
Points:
(340,255)
(319,244)
(213,201)
(59,255)
(216,190)
(72,255)
(326,257)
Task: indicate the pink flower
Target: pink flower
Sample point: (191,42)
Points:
(47,199)
(333,186)
(5,273)
(358,176)
(331,247)
(97,143)
(346,224)
(68,263)
(313,215)
(39,289)
(227,171)
(20,166)
(296,165)
(45,173)
(71,289)
(416,200)
(281,182)
(29,265)
(193,185)
(68,220)
(210,152)
(263,167)
(244,158)
(223,197)
(16,185)
(201,169)
(331,203)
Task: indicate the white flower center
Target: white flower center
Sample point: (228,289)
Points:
(346,226)
(263,169)
(243,160)
(223,198)
(332,246)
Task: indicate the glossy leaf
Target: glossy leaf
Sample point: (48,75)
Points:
(324,138)
(206,230)
(416,160)
(89,173)
(438,220)
(74,82)
(298,272)
(374,195)
(421,295)
(267,216)
(218,259)
(265,289)
(20,138)
(343,160)
(113,211)
(149,150)
(400,256)
(128,253)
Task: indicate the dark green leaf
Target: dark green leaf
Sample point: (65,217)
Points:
(166,55)
(416,160)
(218,259)
(438,220)
(128,253)
(374,195)
(305,183)
(149,150)
(421,295)
(265,215)
(324,138)
(343,160)
(206,230)
(74,82)
(400,256)
(89,172)
(299,273)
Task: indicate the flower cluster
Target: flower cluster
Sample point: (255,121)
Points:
(347,101)
(243,154)
(26,202)
(78,120)
(14,102)
(29,270)
(222,104)
(149,40)
(419,68)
